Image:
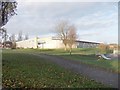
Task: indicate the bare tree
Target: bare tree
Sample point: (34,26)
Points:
(12,38)
(7,9)
(62,30)
(26,37)
(20,38)
(72,36)
(103,48)
(3,34)
(67,33)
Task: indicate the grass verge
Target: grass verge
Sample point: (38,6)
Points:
(27,71)
(83,55)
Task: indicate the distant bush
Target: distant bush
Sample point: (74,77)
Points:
(104,48)
(13,45)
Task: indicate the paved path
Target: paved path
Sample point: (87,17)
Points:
(105,77)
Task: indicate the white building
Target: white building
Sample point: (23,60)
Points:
(30,43)
(47,43)
(51,43)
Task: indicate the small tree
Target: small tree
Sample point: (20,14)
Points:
(3,34)
(13,45)
(26,37)
(103,48)
(71,37)
(12,38)
(20,38)
(62,30)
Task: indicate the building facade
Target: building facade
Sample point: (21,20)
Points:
(86,44)
(30,43)
(52,43)
(43,43)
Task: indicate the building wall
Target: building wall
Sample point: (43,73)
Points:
(46,43)
(116,51)
(30,43)
(50,43)
(86,45)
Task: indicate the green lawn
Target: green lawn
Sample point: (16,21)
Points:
(86,51)
(84,55)
(109,65)
(22,70)
(87,56)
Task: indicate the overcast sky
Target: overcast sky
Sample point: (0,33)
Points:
(95,21)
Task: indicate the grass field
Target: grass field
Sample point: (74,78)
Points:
(22,70)
(86,56)
(109,65)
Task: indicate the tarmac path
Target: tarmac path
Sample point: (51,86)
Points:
(97,74)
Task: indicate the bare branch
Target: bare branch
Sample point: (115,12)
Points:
(67,33)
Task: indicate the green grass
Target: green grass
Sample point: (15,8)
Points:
(109,65)
(83,55)
(86,56)
(85,51)
(22,70)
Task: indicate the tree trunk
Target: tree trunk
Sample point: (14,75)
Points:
(65,48)
(70,51)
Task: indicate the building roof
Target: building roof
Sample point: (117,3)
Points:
(58,38)
(7,42)
(87,42)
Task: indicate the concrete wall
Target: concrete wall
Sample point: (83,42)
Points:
(49,43)
(46,43)
(30,43)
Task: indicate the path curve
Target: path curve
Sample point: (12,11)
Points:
(99,75)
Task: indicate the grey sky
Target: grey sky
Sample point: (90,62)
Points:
(95,21)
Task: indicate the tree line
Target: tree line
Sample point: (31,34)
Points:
(13,38)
